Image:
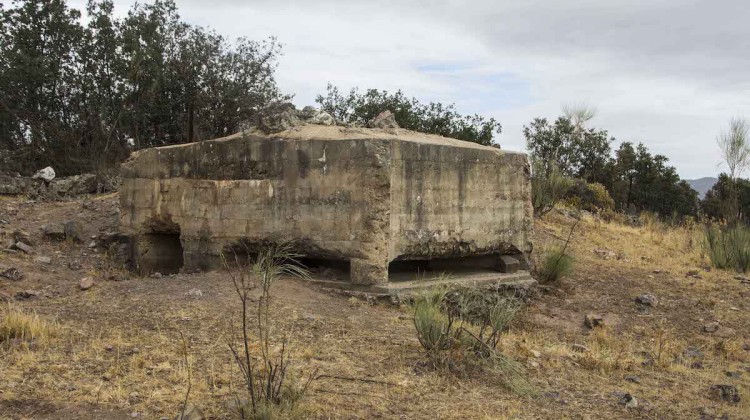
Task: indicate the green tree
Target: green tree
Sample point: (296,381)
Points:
(642,181)
(76,97)
(434,117)
(714,204)
(40,41)
(579,151)
(735,151)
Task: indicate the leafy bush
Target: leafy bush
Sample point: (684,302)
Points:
(592,197)
(461,329)
(555,265)
(728,247)
(548,185)
(435,118)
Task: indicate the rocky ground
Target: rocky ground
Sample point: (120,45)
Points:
(667,337)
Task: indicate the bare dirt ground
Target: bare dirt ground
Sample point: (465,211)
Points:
(115,350)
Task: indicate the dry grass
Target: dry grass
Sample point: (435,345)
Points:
(20,326)
(117,346)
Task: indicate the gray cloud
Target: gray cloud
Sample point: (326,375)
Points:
(669,73)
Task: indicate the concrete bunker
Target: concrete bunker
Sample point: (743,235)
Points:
(374,203)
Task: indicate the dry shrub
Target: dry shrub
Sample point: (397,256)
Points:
(665,345)
(555,265)
(728,248)
(270,389)
(607,353)
(460,331)
(19,325)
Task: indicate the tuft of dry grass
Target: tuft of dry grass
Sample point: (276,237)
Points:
(19,325)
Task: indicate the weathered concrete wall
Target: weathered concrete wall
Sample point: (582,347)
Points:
(365,196)
(449,202)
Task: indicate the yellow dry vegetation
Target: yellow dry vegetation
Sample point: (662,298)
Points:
(118,346)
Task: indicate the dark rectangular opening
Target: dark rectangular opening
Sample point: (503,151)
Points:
(160,253)
(407,270)
(327,269)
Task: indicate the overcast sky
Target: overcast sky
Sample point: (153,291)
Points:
(668,73)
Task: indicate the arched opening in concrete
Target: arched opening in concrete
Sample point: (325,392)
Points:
(160,251)
(327,268)
(413,269)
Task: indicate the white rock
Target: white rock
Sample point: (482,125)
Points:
(47,174)
(86,283)
(195,293)
(42,260)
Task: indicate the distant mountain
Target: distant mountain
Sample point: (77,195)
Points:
(702,185)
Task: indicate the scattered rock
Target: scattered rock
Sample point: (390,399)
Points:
(15,185)
(629,401)
(694,274)
(312,115)
(696,365)
(75,185)
(711,327)
(19,235)
(593,321)
(536,354)
(718,330)
(605,253)
(73,231)
(28,294)
(647,300)
(75,265)
(190,412)
(386,120)
(276,117)
(633,378)
(12,274)
(156,275)
(196,293)
(54,232)
(86,283)
(23,247)
(733,375)
(47,174)
(43,260)
(726,393)
(92,244)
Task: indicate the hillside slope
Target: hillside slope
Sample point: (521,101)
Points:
(702,185)
(116,349)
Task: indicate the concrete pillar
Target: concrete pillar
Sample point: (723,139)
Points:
(368,272)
